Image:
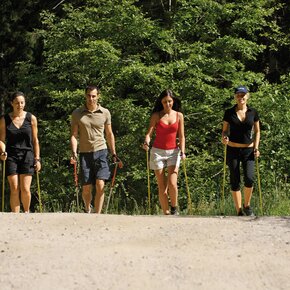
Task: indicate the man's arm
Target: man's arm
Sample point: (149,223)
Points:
(110,138)
(74,141)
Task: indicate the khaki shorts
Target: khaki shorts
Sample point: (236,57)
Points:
(160,158)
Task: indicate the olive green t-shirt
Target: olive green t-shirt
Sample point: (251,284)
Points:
(91,128)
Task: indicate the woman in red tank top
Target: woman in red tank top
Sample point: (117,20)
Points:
(168,124)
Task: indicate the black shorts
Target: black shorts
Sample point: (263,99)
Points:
(20,162)
(94,165)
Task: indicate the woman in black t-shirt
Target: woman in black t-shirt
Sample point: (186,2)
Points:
(19,146)
(241,134)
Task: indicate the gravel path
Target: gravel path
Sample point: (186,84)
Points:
(82,251)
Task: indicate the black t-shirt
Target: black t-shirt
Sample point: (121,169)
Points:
(241,132)
(18,138)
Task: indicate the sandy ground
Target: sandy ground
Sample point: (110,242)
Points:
(88,251)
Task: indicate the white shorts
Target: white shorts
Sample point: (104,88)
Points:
(160,158)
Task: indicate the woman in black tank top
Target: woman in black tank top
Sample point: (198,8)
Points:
(19,146)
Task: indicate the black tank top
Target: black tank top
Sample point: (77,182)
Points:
(18,139)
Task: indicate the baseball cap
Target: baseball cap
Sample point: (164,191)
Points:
(241,89)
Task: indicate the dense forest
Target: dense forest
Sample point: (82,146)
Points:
(133,50)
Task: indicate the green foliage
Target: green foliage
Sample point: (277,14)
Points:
(135,49)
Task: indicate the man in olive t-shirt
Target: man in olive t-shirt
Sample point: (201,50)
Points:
(91,124)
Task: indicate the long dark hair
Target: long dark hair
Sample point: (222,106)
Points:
(158,107)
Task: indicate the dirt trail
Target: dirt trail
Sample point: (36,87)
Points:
(82,251)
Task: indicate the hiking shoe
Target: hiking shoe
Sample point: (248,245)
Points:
(88,210)
(241,213)
(173,210)
(248,211)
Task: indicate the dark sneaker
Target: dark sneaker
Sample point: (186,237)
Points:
(173,210)
(241,213)
(248,211)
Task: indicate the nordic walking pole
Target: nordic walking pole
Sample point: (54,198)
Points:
(148,181)
(259,185)
(112,186)
(189,204)
(38,190)
(3,184)
(119,164)
(77,185)
(224,179)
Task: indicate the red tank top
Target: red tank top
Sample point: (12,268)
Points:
(166,135)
